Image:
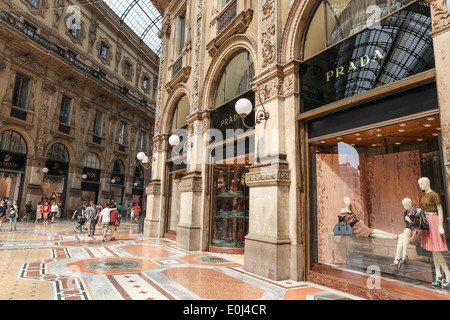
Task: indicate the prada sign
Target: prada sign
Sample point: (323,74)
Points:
(355,65)
(399,47)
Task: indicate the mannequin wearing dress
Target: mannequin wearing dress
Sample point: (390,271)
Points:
(434,239)
(403,239)
(358,226)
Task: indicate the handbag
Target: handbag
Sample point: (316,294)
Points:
(415,238)
(419,221)
(12,215)
(343,229)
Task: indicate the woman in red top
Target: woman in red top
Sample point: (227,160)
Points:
(46,211)
(137,211)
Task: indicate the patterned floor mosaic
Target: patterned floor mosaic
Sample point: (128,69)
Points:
(52,262)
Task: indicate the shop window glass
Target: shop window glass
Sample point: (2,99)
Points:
(11,141)
(66,104)
(98,123)
(92,161)
(236,79)
(336,20)
(398,48)
(119,167)
(20,93)
(58,152)
(180,114)
(230,224)
(370,173)
(181,32)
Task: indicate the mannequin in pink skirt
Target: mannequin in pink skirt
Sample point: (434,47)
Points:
(434,239)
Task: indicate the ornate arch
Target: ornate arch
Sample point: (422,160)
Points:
(295,29)
(178,91)
(233,45)
(31,147)
(98,154)
(68,147)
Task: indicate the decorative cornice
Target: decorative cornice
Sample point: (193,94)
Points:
(181,76)
(440,15)
(239,25)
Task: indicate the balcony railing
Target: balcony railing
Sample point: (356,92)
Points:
(55,48)
(227,17)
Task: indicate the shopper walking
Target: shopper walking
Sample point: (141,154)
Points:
(79,212)
(91,214)
(3,211)
(137,211)
(39,209)
(46,212)
(54,210)
(13,212)
(28,209)
(104,219)
(114,222)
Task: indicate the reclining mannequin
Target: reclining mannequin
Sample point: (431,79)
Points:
(358,227)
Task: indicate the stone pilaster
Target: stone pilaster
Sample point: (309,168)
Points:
(268,246)
(441,42)
(189,228)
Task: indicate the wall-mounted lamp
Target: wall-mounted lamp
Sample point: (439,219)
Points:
(84,176)
(145,160)
(45,170)
(113,181)
(175,140)
(244,107)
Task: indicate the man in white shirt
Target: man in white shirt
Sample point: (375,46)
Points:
(104,218)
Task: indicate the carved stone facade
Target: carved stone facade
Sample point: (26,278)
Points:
(69,97)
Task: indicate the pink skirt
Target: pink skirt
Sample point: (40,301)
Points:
(431,239)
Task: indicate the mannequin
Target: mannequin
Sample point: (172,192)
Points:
(358,226)
(403,239)
(434,239)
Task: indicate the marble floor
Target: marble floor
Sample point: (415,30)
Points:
(53,262)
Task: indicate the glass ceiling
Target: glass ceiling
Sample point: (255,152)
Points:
(142,17)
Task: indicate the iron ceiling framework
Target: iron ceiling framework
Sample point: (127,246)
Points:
(142,17)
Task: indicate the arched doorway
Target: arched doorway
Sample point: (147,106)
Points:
(91,178)
(231,159)
(56,170)
(176,165)
(13,155)
(117,182)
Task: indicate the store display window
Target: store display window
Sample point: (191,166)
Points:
(230,206)
(368,180)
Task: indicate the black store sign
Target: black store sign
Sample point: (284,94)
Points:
(401,46)
(119,179)
(12,161)
(225,118)
(56,168)
(92,175)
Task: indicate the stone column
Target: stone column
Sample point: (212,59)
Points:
(154,220)
(189,230)
(441,41)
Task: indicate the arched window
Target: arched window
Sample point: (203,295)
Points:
(92,161)
(236,79)
(118,167)
(336,20)
(58,152)
(180,114)
(11,141)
